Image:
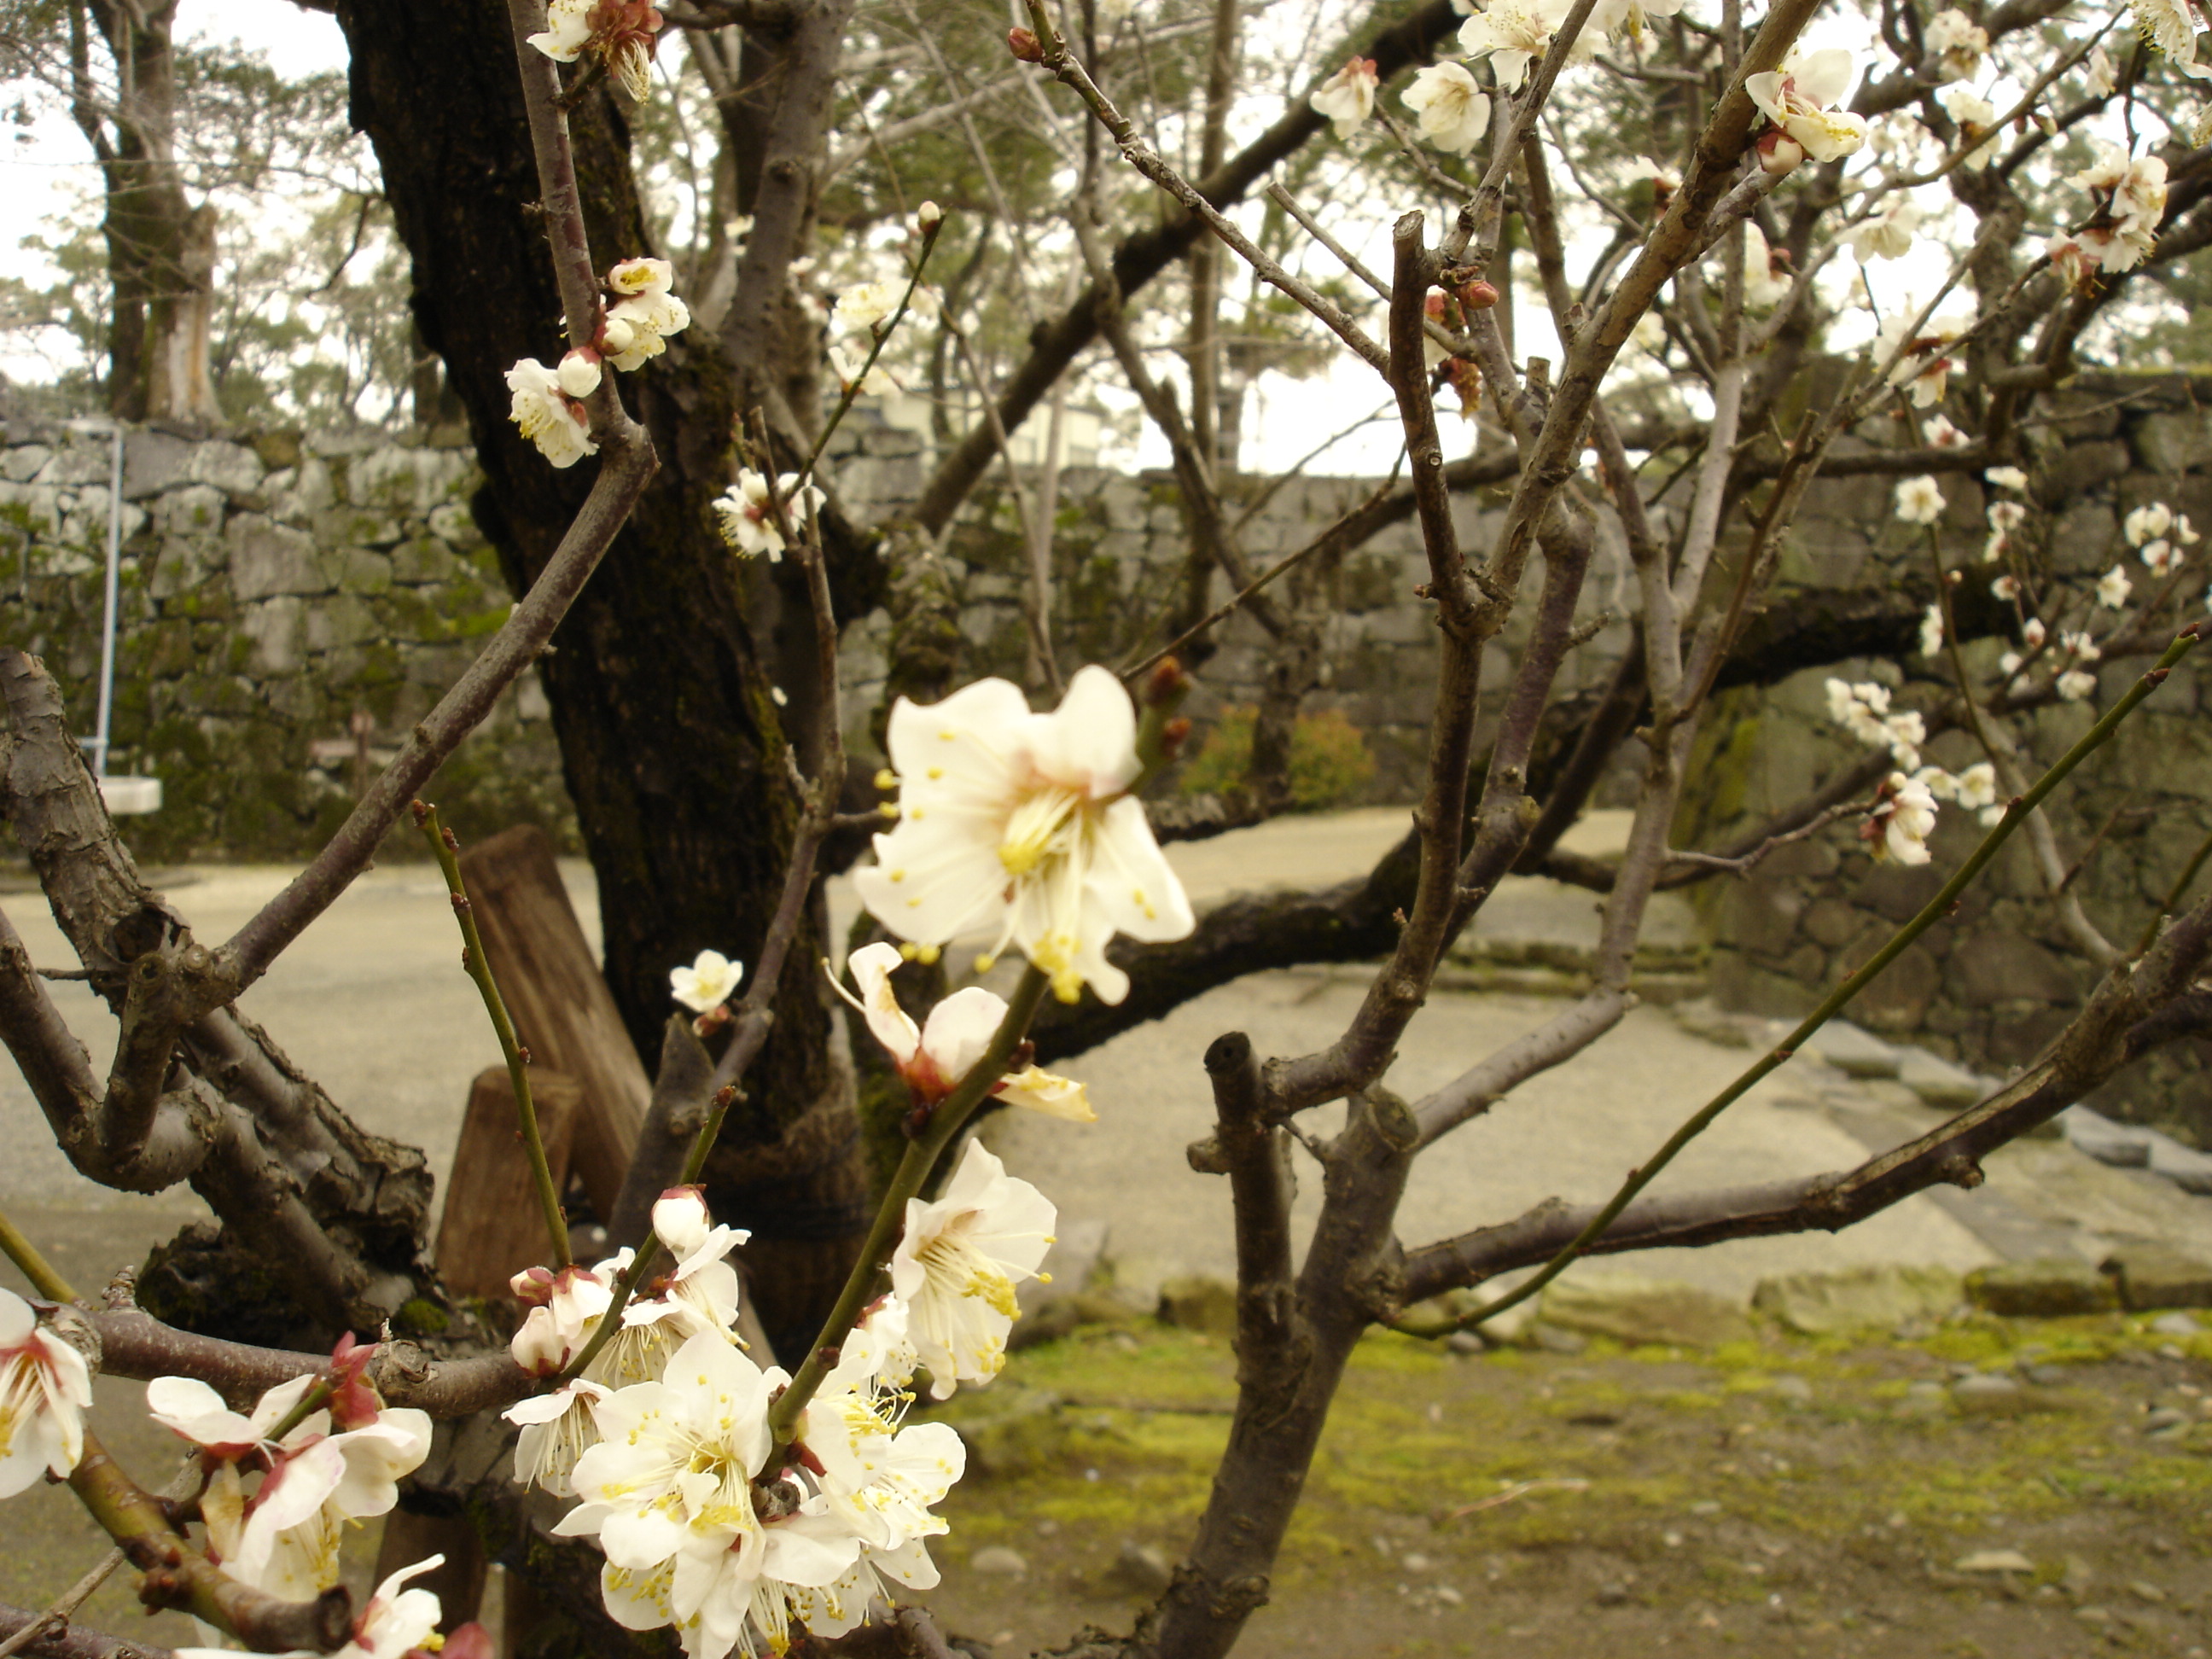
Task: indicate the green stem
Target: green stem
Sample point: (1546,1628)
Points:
(922,1156)
(875,350)
(1934,911)
(479,966)
(35,1267)
(2173,898)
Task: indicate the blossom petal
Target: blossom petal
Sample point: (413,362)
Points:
(871,967)
(960,1029)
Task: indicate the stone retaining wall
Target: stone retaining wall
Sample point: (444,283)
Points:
(1993,982)
(274,586)
(271,590)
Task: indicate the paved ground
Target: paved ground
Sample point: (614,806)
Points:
(372,1000)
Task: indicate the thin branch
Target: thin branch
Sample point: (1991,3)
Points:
(1934,911)
(476,964)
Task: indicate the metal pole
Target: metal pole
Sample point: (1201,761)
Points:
(107,626)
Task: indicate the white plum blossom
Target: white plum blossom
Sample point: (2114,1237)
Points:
(1453,109)
(880,1480)
(1977,791)
(747,519)
(1513,34)
(1888,234)
(1801,100)
(1940,433)
(637,328)
(2170,26)
(549,415)
(2160,555)
(2004,477)
(2076,643)
(668,1491)
(2103,80)
(2006,588)
(633,278)
(565,1309)
(1957,43)
(567,29)
(2146,523)
(1919,501)
(1627,18)
(45,1388)
(579,374)
(395,1621)
(1859,710)
(284,1539)
(2113,587)
(2130,196)
(933,1057)
(1863,710)
(1347,97)
(1931,630)
(864,305)
(853,370)
(557,1428)
(2005,520)
(957,1262)
(1977,118)
(2031,633)
(1922,366)
(711,980)
(1021,825)
(1896,831)
(1766,281)
(2075,684)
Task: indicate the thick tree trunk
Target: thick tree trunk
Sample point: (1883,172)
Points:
(670,739)
(161,248)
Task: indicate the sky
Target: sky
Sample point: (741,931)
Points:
(1285,422)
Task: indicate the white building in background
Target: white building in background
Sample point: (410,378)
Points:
(1083,427)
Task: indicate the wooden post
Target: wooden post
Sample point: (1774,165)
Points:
(563,1013)
(494,1225)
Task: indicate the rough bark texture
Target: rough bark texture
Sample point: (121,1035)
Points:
(670,743)
(161,249)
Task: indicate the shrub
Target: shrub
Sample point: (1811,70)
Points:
(1330,765)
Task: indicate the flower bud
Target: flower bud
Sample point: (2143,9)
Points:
(1779,153)
(538,1347)
(680,1220)
(617,334)
(579,372)
(1477,296)
(928,216)
(1025,45)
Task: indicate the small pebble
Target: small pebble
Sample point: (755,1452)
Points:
(2094,1615)
(1672,1540)
(2166,1417)
(1795,1389)
(1446,1593)
(1414,1562)
(1000,1561)
(2142,1590)
(1706,1506)
(2176,1324)
(1611,1596)
(1463,1342)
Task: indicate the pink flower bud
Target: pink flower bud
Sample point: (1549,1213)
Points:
(1024,44)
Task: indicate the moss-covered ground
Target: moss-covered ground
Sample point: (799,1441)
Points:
(1786,1497)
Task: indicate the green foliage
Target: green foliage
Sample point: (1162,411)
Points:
(1330,765)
